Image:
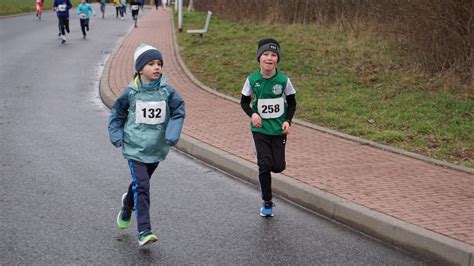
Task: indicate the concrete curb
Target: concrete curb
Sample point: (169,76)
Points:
(385,227)
(105,92)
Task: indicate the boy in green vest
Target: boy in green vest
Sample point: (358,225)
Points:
(271,113)
(145,121)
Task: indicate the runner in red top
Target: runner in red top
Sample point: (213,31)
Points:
(39,8)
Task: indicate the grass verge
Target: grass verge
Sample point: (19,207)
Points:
(11,7)
(353,82)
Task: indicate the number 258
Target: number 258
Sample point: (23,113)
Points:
(270,108)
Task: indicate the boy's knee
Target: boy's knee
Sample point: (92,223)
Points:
(278,168)
(142,186)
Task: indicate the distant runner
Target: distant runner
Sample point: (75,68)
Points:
(84,10)
(62,11)
(39,8)
(118,9)
(135,7)
(103,3)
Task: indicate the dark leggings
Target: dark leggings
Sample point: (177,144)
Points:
(84,25)
(118,9)
(270,158)
(135,16)
(102,9)
(63,25)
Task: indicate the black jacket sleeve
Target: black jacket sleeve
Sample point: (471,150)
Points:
(245,104)
(290,112)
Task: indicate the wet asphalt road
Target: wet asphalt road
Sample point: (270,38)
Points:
(61,179)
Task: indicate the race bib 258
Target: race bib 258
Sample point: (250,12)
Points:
(270,108)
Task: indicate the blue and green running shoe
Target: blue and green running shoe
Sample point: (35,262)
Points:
(146,237)
(124,216)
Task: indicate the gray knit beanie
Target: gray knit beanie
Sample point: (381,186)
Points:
(268,45)
(144,54)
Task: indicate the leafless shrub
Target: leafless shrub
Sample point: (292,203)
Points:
(437,34)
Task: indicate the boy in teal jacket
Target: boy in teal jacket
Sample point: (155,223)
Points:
(145,121)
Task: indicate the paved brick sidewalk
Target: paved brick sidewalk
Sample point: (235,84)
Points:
(433,197)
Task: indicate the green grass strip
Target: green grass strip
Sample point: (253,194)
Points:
(353,82)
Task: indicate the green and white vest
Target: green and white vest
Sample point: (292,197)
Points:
(269,102)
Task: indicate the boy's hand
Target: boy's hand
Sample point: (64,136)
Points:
(170,142)
(286,127)
(256,120)
(118,144)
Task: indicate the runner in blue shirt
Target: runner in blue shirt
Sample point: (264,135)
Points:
(62,11)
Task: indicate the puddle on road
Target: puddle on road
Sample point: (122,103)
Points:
(95,80)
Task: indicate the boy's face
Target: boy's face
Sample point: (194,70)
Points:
(268,60)
(151,71)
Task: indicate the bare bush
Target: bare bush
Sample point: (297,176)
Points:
(437,34)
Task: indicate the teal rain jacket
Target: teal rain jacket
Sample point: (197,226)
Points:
(147,120)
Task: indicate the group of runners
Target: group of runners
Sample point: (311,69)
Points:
(84,10)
